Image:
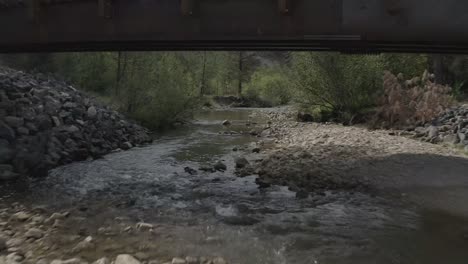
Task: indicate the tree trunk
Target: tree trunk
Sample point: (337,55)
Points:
(203,81)
(241,68)
(119,73)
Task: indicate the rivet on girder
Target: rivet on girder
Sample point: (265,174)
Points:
(284,6)
(105,8)
(186,7)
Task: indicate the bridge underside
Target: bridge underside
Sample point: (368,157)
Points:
(343,25)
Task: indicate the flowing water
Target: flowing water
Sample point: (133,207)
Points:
(219,214)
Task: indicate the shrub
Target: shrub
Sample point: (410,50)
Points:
(340,86)
(269,84)
(411,102)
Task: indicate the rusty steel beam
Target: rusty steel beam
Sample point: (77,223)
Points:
(344,25)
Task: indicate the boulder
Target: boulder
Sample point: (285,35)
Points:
(190,171)
(219,166)
(102,261)
(7,173)
(35,233)
(304,117)
(432,132)
(3,244)
(256,150)
(226,123)
(178,261)
(241,162)
(21,216)
(92,112)
(68,261)
(219,260)
(126,259)
(14,121)
(126,145)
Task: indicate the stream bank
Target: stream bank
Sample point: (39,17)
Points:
(144,202)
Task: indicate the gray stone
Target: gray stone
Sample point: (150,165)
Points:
(3,243)
(461,137)
(126,259)
(14,121)
(21,216)
(22,130)
(68,261)
(241,162)
(92,112)
(56,121)
(126,145)
(7,132)
(219,260)
(87,243)
(15,242)
(433,132)
(178,261)
(102,261)
(35,233)
(219,166)
(226,123)
(450,139)
(192,260)
(72,129)
(69,105)
(7,173)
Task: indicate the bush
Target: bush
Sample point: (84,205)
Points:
(338,86)
(269,84)
(411,102)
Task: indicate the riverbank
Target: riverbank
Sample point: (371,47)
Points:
(145,203)
(46,123)
(316,157)
(313,158)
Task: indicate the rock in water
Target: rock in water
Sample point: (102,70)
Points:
(219,166)
(190,171)
(241,162)
(126,259)
(226,123)
(256,150)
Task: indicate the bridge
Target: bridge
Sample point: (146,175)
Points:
(343,25)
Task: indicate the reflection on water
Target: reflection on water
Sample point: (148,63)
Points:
(212,214)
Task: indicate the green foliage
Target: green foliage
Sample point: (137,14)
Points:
(270,84)
(408,64)
(342,85)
